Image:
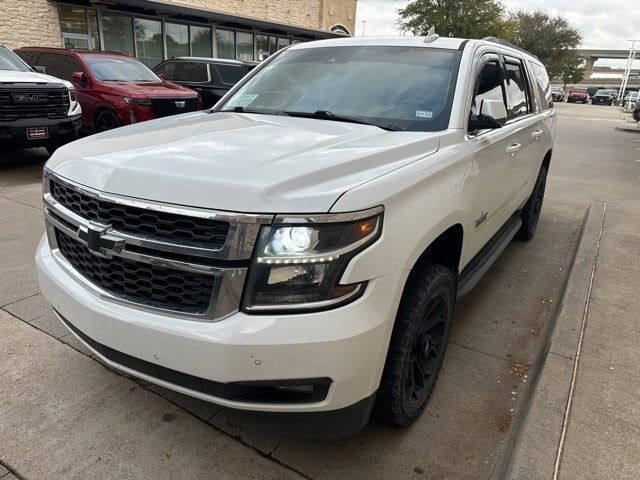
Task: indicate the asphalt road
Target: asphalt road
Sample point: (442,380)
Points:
(63,415)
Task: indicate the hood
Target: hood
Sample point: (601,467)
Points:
(10,76)
(239,162)
(153,89)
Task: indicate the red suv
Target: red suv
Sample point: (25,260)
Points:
(113,89)
(578,94)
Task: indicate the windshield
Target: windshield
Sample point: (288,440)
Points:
(120,70)
(604,92)
(406,88)
(556,89)
(579,90)
(10,61)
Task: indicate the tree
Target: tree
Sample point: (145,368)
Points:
(548,37)
(572,71)
(456,18)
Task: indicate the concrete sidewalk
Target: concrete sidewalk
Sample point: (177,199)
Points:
(583,419)
(106,423)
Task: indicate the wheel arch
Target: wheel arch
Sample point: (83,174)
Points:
(546,161)
(445,249)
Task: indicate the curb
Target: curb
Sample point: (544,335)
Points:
(539,431)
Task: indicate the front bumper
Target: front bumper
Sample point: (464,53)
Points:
(61,130)
(347,345)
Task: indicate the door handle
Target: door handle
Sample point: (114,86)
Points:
(537,134)
(513,148)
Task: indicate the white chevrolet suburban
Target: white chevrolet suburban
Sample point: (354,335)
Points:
(296,252)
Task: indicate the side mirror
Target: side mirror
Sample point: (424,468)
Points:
(80,78)
(492,115)
(40,69)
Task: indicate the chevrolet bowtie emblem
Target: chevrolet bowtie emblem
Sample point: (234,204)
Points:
(99,240)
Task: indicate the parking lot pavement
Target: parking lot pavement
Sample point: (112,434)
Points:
(467,431)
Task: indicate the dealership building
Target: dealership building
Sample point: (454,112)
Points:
(154,30)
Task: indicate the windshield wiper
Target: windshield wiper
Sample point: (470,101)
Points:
(327,115)
(240,109)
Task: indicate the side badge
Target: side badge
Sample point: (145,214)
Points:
(481,218)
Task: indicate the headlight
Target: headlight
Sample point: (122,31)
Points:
(298,263)
(72,95)
(138,101)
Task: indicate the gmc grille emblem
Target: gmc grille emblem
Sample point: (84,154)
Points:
(35,98)
(181,104)
(99,241)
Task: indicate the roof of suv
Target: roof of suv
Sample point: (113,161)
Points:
(78,51)
(447,43)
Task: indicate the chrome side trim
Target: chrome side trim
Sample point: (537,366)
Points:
(328,217)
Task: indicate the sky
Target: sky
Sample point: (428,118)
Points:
(603,23)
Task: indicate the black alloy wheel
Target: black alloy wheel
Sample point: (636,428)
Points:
(418,344)
(107,120)
(426,354)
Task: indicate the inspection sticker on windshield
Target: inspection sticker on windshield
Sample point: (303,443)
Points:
(242,100)
(424,114)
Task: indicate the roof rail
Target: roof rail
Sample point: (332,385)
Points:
(508,44)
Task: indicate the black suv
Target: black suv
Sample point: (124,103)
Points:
(210,77)
(35,109)
(604,97)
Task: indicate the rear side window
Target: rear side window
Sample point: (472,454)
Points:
(230,74)
(195,72)
(28,57)
(52,63)
(70,66)
(516,85)
(544,98)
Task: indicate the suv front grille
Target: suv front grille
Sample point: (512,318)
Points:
(163,107)
(151,223)
(51,103)
(140,282)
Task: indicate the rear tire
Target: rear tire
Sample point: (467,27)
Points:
(418,344)
(107,120)
(531,211)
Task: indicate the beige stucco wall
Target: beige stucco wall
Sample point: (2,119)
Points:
(304,13)
(339,12)
(29,22)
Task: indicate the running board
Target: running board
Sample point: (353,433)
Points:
(479,264)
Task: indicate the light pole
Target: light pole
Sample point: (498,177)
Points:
(364,22)
(627,70)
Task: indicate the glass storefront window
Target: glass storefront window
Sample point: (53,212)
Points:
(283,42)
(244,45)
(262,47)
(201,41)
(273,45)
(72,19)
(93,29)
(149,41)
(225,43)
(177,40)
(118,32)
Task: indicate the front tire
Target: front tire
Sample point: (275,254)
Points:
(531,211)
(107,120)
(418,344)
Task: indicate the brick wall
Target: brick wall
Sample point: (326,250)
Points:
(29,22)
